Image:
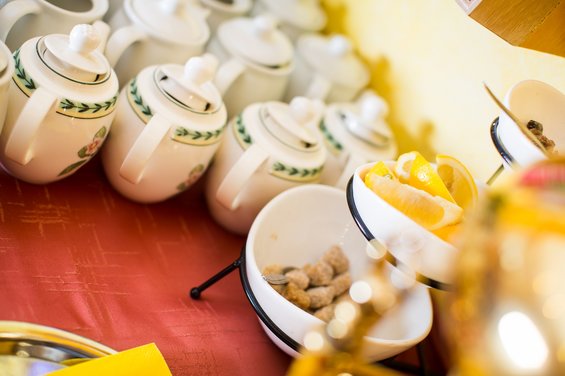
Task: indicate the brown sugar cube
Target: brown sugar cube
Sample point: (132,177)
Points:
(320,296)
(299,278)
(320,274)
(337,259)
(325,313)
(341,283)
(297,296)
(273,269)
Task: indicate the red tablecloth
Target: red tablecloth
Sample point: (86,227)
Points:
(78,256)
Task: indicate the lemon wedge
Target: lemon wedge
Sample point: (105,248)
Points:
(378,169)
(431,212)
(425,177)
(458,180)
(404,165)
(142,360)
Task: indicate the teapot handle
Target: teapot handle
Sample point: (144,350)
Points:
(319,87)
(227,74)
(120,40)
(353,162)
(11,12)
(228,193)
(143,148)
(18,146)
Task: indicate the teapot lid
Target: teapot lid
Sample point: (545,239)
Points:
(257,40)
(305,14)
(366,121)
(334,58)
(192,85)
(76,55)
(176,21)
(292,123)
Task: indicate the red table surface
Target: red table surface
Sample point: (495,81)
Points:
(78,256)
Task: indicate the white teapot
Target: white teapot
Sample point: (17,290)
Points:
(62,100)
(296,16)
(150,32)
(256,61)
(354,134)
(327,68)
(168,126)
(269,148)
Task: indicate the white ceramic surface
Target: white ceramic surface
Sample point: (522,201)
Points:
(327,68)
(267,150)
(6,72)
(55,121)
(256,61)
(222,11)
(159,146)
(355,133)
(21,20)
(152,32)
(417,248)
(532,100)
(296,16)
(296,228)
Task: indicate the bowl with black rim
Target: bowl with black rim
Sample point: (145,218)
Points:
(297,227)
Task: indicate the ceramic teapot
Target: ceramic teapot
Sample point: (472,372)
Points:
(168,126)
(6,72)
(355,133)
(21,20)
(327,68)
(62,100)
(296,16)
(256,61)
(150,32)
(269,147)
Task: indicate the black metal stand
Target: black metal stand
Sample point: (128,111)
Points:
(195,292)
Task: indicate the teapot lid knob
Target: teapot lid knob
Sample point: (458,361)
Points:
(193,85)
(170,6)
(372,107)
(302,109)
(83,39)
(339,45)
(198,70)
(264,25)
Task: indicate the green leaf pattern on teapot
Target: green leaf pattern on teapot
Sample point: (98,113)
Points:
(67,107)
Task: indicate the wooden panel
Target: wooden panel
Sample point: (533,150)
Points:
(534,24)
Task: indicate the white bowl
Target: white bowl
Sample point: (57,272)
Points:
(530,100)
(296,228)
(410,245)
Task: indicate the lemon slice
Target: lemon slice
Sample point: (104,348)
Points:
(431,212)
(378,169)
(425,177)
(458,180)
(404,165)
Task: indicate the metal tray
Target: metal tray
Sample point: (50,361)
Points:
(32,350)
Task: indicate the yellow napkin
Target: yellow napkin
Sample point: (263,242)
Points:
(142,360)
